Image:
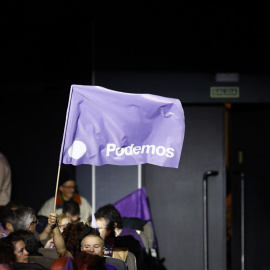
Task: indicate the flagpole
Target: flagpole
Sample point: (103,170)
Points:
(139,176)
(62,147)
(93,188)
(56,190)
(93,83)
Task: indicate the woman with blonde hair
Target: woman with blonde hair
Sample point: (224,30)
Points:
(63,221)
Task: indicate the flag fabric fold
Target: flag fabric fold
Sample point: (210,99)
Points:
(134,205)
(110,127)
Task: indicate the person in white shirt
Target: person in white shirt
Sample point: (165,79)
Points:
(67,192)
(5,180)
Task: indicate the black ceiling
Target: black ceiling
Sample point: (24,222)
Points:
(45,41)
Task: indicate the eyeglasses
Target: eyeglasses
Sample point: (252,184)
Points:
(34,222)
(70,187)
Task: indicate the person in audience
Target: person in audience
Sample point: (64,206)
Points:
(67,192)
(63,221)
(120,244)
(71,241)
(77,238)
(15,243)
(13,205)
(5,180)
(85,261)
(6,221)
(109,212)
(72,210)
(25,219)
(31,243)
(19,256)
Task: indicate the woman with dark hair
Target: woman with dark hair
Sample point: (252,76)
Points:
(70,236)
(15,242)
(31,243)
(18,255)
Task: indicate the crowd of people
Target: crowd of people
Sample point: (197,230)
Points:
(69,238)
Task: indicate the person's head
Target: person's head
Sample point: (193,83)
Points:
(74,234)
(7,219)
(86,261)
(31,243)
(13,205)
(72,209)
(25,219)
(104,227)
(70,235)
(63,263)
(63,221)
(15,240)
(67,185)
(109,212)
(93,244)
(104,223)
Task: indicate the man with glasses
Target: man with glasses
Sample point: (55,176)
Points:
(67,192)
(24,218)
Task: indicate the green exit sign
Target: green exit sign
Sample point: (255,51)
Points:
(224,92)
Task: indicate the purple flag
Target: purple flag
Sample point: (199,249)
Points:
(109,127)
(69,265)
(134,205)
(94,222)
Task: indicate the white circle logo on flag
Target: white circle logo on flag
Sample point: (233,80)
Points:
(77,150)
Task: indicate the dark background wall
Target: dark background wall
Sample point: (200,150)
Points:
(251,137)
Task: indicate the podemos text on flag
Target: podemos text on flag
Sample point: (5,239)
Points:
(110,127)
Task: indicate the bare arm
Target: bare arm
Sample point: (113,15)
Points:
(45,233)
(58,238)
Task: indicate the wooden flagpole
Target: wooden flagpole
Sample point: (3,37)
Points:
(56,190)
(93,83)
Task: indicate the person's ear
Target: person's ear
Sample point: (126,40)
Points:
(28,227)
(81,249)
